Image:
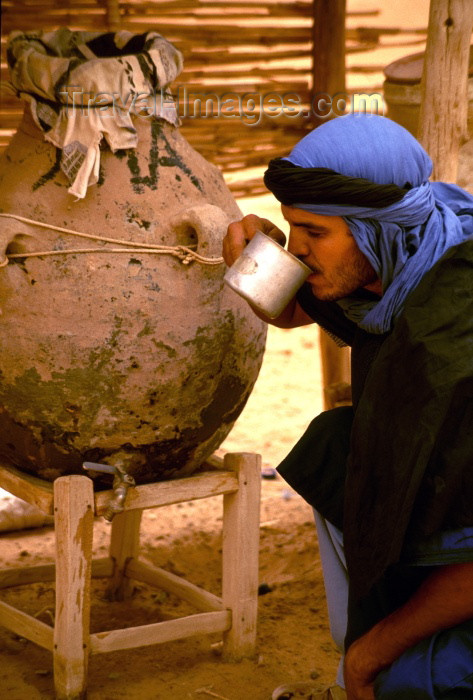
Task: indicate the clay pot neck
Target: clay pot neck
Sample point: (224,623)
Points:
(29,127)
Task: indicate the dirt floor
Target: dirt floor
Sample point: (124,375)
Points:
(293,638)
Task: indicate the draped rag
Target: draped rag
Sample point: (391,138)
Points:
(378,177)
(83,86)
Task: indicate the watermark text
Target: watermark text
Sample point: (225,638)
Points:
(250,108)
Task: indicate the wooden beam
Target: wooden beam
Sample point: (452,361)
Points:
(113,15)
(26,626)
(31,489)
(74,512)
(155,576)
(159,632)
(444,85)
(328,78)
(328,36)
(176,491)
(26,575)
(336,373)
(124,546)
(240,549)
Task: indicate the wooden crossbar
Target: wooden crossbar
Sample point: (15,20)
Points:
(159,632)
(26,626)
(23,576)
(36,491)
(155,576)
(164,493)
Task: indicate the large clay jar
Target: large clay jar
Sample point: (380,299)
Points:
(109,356)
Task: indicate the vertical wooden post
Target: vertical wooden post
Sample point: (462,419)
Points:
(328,80)
(328,62)
(124,545)
(74,516)
(336,373)
(113,15)
(444,85)
(241,518)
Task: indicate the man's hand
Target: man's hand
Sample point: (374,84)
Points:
(241,232)
(443,600)
(238,235)
(359,672)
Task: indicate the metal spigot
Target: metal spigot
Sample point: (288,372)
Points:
(121,483)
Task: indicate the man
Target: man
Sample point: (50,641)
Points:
(392,262)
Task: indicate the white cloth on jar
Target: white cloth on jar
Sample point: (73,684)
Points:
(85,86)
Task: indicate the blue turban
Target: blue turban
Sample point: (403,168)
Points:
(403,240)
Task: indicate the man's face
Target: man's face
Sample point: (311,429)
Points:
(326,245)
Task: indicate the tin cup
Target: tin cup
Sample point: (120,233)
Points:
(266,275)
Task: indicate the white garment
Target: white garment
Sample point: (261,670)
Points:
(78,97)
(335,574)
(16,514)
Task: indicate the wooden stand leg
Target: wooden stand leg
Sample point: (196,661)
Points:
(336,372)
(124,545)
(74,511)
(241,517)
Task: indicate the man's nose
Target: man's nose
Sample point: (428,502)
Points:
(297,245)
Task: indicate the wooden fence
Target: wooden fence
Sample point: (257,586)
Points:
(235,49)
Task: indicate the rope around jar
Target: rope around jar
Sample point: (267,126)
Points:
(183,253)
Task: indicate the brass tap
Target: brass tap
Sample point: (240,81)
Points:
(121,483)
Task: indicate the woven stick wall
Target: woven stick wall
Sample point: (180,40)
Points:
(239,48)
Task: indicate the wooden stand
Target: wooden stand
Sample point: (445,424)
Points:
(74,504)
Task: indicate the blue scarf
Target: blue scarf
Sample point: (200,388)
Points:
(404,240)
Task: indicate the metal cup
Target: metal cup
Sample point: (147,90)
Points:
(266,275)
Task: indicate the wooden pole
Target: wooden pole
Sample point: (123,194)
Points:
(328,63)
(336,373)
(124,546)
(113,15)
(444,86)
(241,517)
(74,513)
(328,81)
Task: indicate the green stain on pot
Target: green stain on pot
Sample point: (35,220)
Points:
(146,330)
(52,172)
(218,335)
(89,388)
(168,349)
(170,158)
(45,402)
(173,159)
